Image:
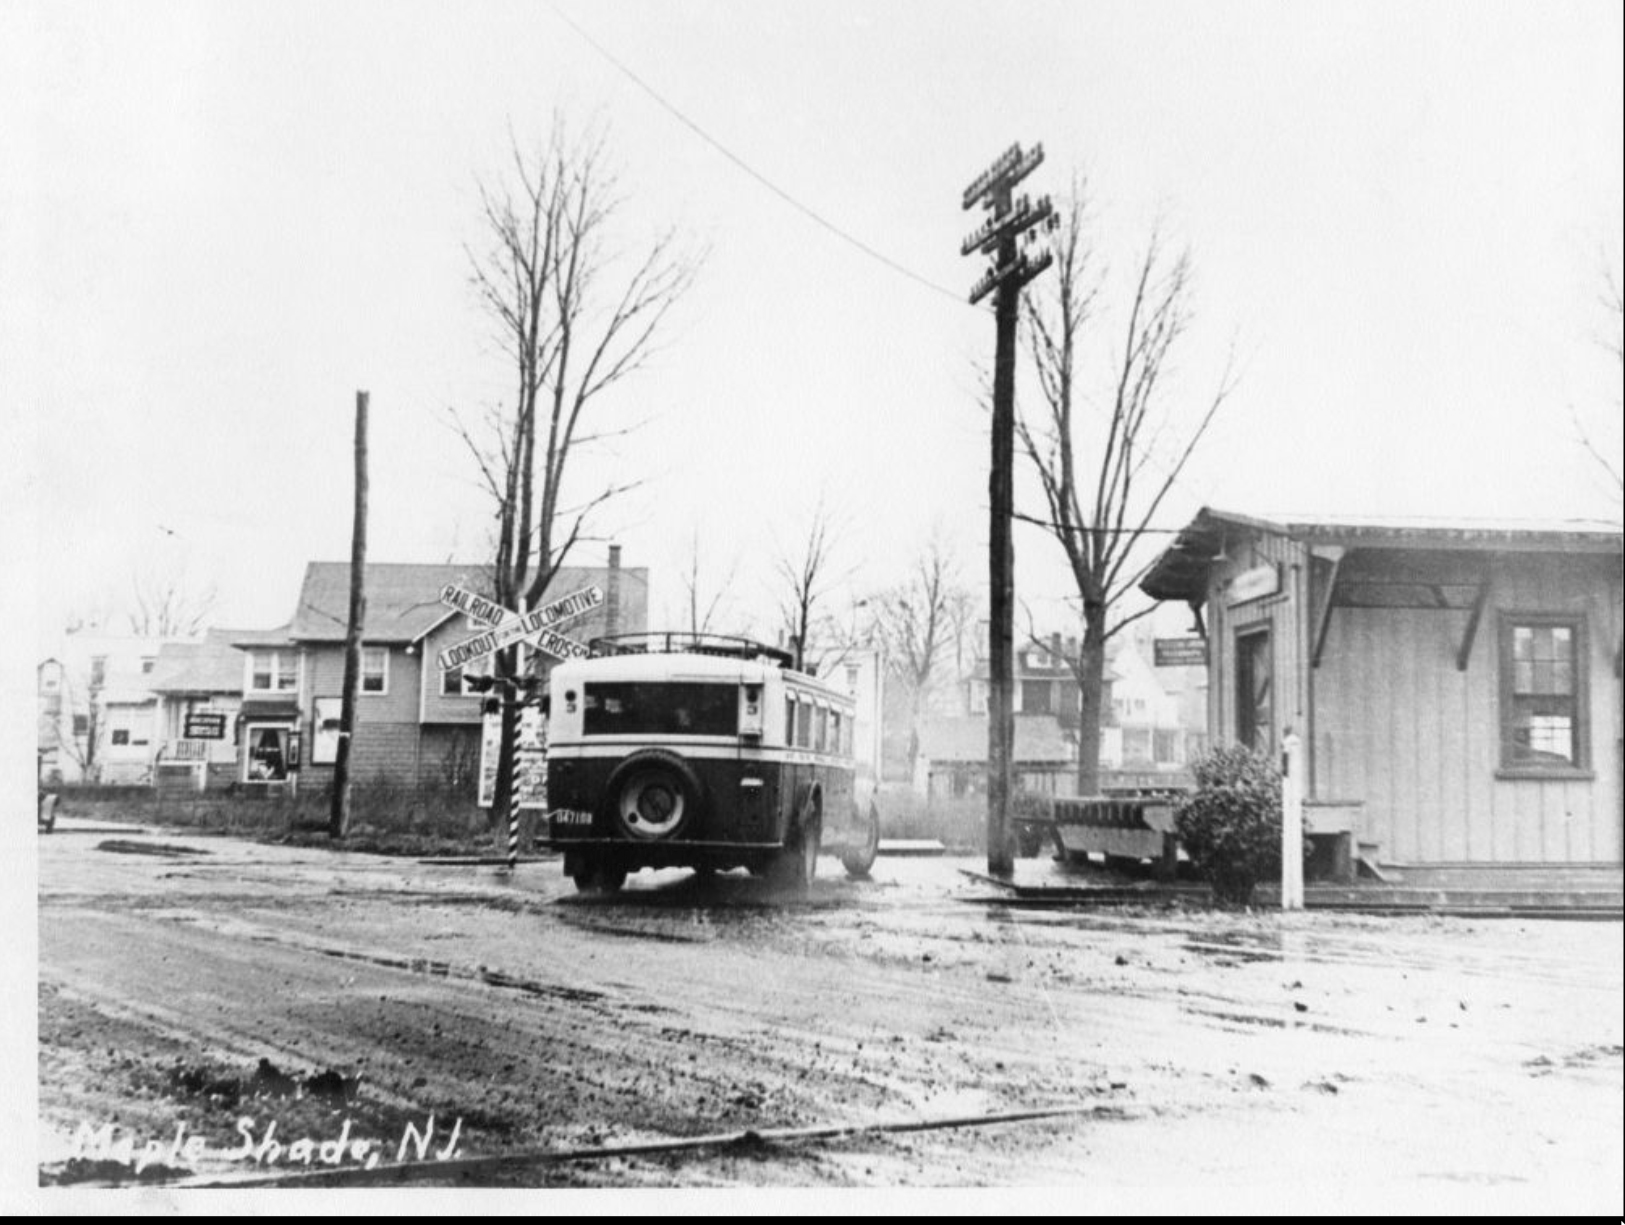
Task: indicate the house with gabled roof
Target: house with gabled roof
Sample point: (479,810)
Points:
(415,724)
(199,715)
(1454,685)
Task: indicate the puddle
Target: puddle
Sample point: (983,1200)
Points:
(163,849)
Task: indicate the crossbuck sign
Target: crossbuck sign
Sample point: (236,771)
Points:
(506,627)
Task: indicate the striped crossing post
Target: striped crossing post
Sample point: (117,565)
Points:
(513,834)
(1292,823)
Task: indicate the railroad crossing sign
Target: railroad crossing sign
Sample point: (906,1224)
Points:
(505,627)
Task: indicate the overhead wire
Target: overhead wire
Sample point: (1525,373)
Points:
(806,210)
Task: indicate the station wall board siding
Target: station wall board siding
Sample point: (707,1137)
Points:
(1399,727)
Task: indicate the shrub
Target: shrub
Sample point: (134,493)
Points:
(1231,826)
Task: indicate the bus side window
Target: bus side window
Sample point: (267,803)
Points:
(789,719)
(822,730)
(835,742)
(804,725)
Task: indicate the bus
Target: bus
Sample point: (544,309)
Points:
(702,751)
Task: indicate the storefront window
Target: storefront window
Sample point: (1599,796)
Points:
(267,754)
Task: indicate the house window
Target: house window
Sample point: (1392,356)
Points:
(1137,746)
(374,670)
(452,684)
(81,725)
(1543,693)
(1165,747)
(1035,697)
(147,661)
(121,735)
(273,671)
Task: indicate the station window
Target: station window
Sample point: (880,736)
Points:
(1543,693)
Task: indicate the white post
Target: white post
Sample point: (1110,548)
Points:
(1292,825)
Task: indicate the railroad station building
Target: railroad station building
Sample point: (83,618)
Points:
(1455,687)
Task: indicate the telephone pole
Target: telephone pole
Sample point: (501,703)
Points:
(338,820)
(1008,226)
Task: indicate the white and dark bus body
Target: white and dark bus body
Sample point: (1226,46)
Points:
(669,750)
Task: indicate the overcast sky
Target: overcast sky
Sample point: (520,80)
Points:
(225,219)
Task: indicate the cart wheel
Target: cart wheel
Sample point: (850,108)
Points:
(858,860)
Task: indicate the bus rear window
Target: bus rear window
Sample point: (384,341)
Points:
(670,708)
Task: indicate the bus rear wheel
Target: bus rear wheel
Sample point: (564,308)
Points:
(655,794)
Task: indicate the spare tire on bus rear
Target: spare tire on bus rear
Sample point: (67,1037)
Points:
(653,796)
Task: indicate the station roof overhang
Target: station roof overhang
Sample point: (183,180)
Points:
(1440,546)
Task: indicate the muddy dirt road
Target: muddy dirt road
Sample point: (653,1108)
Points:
(217,1003)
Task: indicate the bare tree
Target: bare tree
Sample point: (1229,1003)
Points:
(701,602)
(71,709)
(917,621)
(1105,471)
(1603,453)
(165,606)
(805,581)
(574,316)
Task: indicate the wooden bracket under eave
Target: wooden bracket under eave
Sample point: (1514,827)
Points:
(1200,627)
(1323,619)
(1465,651)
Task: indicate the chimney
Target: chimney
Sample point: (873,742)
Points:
(612,597)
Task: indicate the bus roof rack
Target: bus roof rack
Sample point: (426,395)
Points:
(681,642)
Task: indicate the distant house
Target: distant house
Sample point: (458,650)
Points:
(198,716)
(1455,686)
(96,708)
(862,673)
(1149,728)
(1145,732)
(415,724)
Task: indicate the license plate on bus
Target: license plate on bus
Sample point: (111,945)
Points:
(570,816)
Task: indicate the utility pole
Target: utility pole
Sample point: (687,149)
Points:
(1009,223)
(338,821)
